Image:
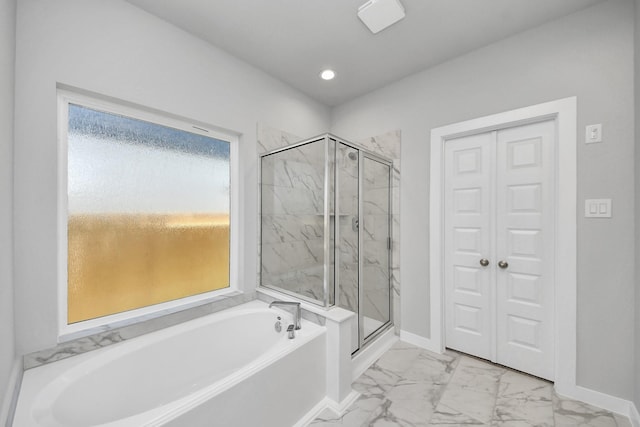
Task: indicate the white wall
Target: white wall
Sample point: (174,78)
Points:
(111,47)
(7,63)
(588,55)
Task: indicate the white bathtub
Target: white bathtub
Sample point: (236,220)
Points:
(228,369)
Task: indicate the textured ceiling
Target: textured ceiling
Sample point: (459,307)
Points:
(293,40)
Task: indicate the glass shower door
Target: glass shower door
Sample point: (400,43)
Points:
(348,251)
(375,301)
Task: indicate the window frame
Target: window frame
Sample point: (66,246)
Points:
(67,332)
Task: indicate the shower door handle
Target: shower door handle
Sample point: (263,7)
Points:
(355,223)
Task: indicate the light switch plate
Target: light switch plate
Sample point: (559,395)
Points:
(597,208)
(593,133)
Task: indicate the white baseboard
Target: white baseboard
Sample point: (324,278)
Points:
(312,414)
(419,341)
(326,403)
(602,400)
(367,357)
(340,408)
(8,404)
(634,416)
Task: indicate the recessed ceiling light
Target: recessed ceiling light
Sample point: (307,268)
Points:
(327,74)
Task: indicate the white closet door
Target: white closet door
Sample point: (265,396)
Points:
(467,240)
(525,242)
(499,208)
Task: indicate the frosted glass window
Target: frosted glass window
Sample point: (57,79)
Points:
(148,213)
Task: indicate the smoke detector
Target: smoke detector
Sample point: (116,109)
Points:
(379,14)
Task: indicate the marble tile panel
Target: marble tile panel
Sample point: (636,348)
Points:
(446,416)
(403,414)
(270,138)
(376,253)
(399,358)
(291,173)
(291,201)
(376,228)
(473,388)
(308,286)
(432,367)
(291,228)
(79,346)
(376,381)
(414,401)
(572,413)
(387,144)
(376,305)
(292,256)
(348,287)
(348,246)
(131,329)
(524,400)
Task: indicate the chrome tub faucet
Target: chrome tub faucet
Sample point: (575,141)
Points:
(297,313)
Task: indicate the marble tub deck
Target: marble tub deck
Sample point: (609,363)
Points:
(411,387)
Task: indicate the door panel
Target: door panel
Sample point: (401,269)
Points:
(467,240)
(376,197)
(348,251)
(525,230)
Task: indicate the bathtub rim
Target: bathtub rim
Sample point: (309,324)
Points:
(39,380)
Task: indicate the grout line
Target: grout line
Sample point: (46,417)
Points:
(456,363)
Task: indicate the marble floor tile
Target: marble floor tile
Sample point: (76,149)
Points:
(568,413)
(397,414)
(436,368)
(445,416)
(411,387)
(410,403)
(399,358)
(473,389)
(375,381)
(523,400)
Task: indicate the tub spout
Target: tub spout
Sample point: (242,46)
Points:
(296,313)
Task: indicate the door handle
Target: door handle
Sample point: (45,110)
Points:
(503,264)
(484,262)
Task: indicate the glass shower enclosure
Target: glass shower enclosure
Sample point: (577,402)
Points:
(326,229)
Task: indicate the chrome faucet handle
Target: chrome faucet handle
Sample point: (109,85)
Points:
(292,331)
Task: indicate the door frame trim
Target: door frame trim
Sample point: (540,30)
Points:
(564,112)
